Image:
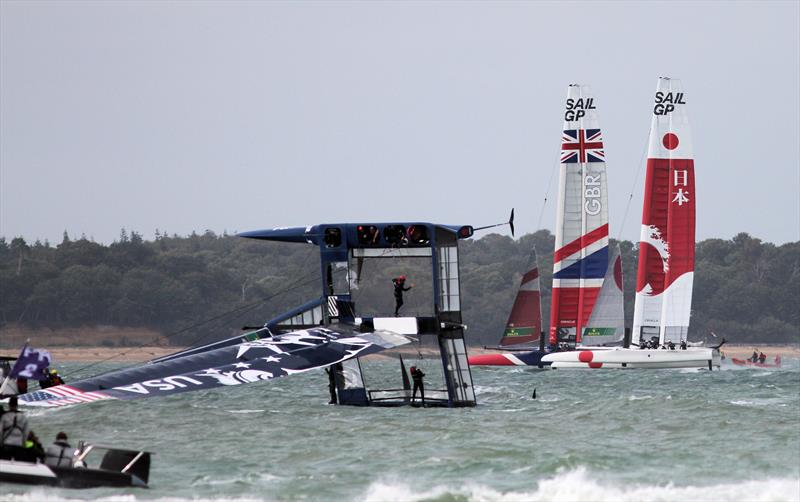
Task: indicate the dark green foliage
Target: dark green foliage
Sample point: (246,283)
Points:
(745,290)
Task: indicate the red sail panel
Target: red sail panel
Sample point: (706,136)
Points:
(669,212)
(525,321)
(570,308)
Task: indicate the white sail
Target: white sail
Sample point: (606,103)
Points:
(666,248)
(607,324)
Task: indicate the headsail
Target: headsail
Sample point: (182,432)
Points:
(524,323)
(607,324)
(246,362)
(666,248)
(580,260)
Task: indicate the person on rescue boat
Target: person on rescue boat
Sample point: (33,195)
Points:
(762,357)
(60,453)
(14,431)
(754,357)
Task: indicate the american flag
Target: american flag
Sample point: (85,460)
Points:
(61,395)
(582,145)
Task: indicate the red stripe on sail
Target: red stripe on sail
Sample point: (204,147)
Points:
(569,310)
(581,242)
(526,313)
(669,210)
(530,275)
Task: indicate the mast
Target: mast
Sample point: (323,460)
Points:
(580,259)
(524,323)
(666,249)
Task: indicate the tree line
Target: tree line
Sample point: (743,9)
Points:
(201,287)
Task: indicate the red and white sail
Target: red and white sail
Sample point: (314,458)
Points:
(581,257)
(666,248)
(525,320)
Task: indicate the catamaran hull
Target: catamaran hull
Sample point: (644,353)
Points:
(635,358)
(531,358)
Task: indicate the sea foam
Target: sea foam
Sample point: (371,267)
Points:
(578,484)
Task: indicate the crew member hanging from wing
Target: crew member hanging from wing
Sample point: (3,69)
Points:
(399,287)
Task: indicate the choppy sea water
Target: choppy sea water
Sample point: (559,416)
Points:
(624,435)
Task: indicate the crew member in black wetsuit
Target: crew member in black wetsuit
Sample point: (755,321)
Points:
(51,379)
(416,376)
(399,287)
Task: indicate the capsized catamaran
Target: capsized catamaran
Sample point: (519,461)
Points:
(587,293)
(263,358)
(326,331)
(666,252)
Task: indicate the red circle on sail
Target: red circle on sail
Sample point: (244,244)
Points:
(670,141)
(585,356)
(618,272)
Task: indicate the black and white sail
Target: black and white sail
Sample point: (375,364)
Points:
(243,363)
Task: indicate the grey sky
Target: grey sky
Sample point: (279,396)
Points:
(237,116)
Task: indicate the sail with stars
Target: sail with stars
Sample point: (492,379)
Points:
(247,362)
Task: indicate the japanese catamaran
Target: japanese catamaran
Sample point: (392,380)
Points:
(586,307)
(666,252)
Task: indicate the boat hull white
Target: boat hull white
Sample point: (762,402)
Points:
(693,357)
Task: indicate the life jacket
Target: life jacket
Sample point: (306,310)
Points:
(14,428)
(60,454)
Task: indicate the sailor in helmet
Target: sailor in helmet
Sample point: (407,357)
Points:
(399,287)
(52,378)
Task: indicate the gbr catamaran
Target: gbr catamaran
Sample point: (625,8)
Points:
(587,303)
(666,252)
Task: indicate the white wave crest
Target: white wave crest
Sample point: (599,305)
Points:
(43,494)
(578,485)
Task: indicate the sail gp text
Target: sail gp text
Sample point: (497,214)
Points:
(576,108)
(665,102)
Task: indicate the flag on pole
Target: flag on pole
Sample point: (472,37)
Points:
(32,363)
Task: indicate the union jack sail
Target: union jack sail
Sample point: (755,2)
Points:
(581,257)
